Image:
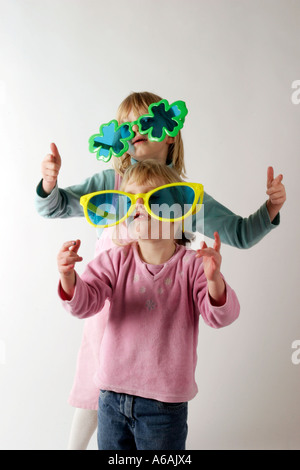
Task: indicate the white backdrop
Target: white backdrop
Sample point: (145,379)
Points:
(65,67)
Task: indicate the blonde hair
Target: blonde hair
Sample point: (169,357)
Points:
(151,172)
(139,103)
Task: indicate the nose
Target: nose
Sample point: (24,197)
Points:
(135,128)
(140,201)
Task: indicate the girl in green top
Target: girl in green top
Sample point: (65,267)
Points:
(54,202)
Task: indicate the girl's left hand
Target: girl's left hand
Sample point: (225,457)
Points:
(276,193)
(211,258)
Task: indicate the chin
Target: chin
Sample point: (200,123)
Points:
(140,158)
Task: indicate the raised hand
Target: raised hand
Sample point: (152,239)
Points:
(50,169)
(211,264)
(211,258)
(68,257)
(276,193)
(66,260)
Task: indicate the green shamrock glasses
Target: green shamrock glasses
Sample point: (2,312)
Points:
(161,120)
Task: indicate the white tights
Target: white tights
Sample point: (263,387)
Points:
(84,425)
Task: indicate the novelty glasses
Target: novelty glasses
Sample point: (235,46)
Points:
(168,203)
(161,120)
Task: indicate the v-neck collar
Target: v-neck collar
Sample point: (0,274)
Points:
(165,266)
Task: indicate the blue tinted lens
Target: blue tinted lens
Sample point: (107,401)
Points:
(124,131)
(172,202)
(162,119)
(107,208)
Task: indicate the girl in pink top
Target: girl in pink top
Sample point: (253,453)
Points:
(157,289)
(53,202)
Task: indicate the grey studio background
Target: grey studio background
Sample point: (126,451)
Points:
(64,68)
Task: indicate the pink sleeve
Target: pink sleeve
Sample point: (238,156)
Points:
(92,288)
(216,317)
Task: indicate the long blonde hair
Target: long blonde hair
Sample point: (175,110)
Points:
(139,103)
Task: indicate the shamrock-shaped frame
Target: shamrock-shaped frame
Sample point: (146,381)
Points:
(161,120)
(112,140)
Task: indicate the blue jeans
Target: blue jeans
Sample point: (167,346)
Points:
(128,422)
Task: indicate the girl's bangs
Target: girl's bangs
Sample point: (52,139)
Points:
(137,102)
(150,172)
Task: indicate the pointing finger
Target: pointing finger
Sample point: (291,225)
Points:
(217,244)
(55,152)
(270,176)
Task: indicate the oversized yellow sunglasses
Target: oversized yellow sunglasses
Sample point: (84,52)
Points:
(169,203)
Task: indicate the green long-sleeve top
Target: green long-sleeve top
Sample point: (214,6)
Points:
(233,229)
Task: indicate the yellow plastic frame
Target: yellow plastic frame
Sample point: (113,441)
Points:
(196,206)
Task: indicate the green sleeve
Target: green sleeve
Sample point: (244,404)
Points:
(233,229)
(62,203)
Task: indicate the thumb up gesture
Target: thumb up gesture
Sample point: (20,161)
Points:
(276,193)
(50,169)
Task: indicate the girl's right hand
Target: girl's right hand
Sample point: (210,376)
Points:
(67,257)
(211,258)
(50,169)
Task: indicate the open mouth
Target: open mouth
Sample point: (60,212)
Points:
(139,140)
(140,216)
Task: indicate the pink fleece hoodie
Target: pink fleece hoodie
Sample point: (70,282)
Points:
(149,346)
